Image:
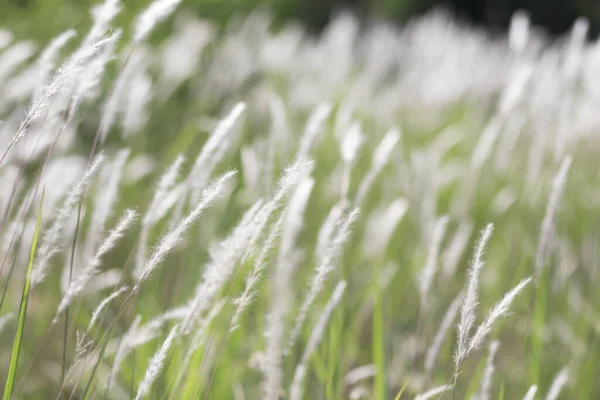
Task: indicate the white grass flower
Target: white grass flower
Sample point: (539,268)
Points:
(76,286)
(104,202)
(500,309)
(48,57)
(355,375)
(50,244)
(530,395)
(547,230)
(171,239)
(103,15)
(98,311)
(287,260)
(430,267)
(455,249)
(13,57)
(350,147)
(244,300)
(213,150)
(314,340)
(381,226)
(199,338)
(381,157)
(4,320)
(224,258)
(558,384)
(165,184)
(62,81)
(432,393)
(153,328)
(154,14)
(156,364)
(518,34)
(322,270)
(89,83)
(287,256)
(328,228)
(468,312)
(314,126)
(240,246)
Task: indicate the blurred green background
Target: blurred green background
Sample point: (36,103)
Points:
(42,19)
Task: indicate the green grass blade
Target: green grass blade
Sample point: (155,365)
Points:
(14,358)
(403,388)
(379,348)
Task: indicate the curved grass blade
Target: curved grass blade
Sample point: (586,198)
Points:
(402,389)
(14,358)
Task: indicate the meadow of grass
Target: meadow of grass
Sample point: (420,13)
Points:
(373,213)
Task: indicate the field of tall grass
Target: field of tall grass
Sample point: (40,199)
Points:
(377,212)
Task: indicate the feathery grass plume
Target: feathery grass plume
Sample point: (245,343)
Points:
(271,366)
(518,33)
(287,262)
(558,384)
(88,85)
(156,364)
(46,60)
(486,383)
(166,183)
(104,201)
(322,270)
(456,248)
(430,267)
(432,393)
(349,147)
(296,388)
(154,14)
(485,144)
(224,258)
(288,257)
(13,57)
(51,242)
(4,319)
(381,157)
(171,239)
(103,15)
(213,150)
(153,328)
(98,311)
(381,225)
(500,310)
(82,347)
(279,129)
(198,340)
(314,126)
(358,374)
(112,103)
(530,395)
(468,312)
(547,230)
(91,269)
(244,300)
(224,261)
(328,228)
(434,350)
(62,81)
